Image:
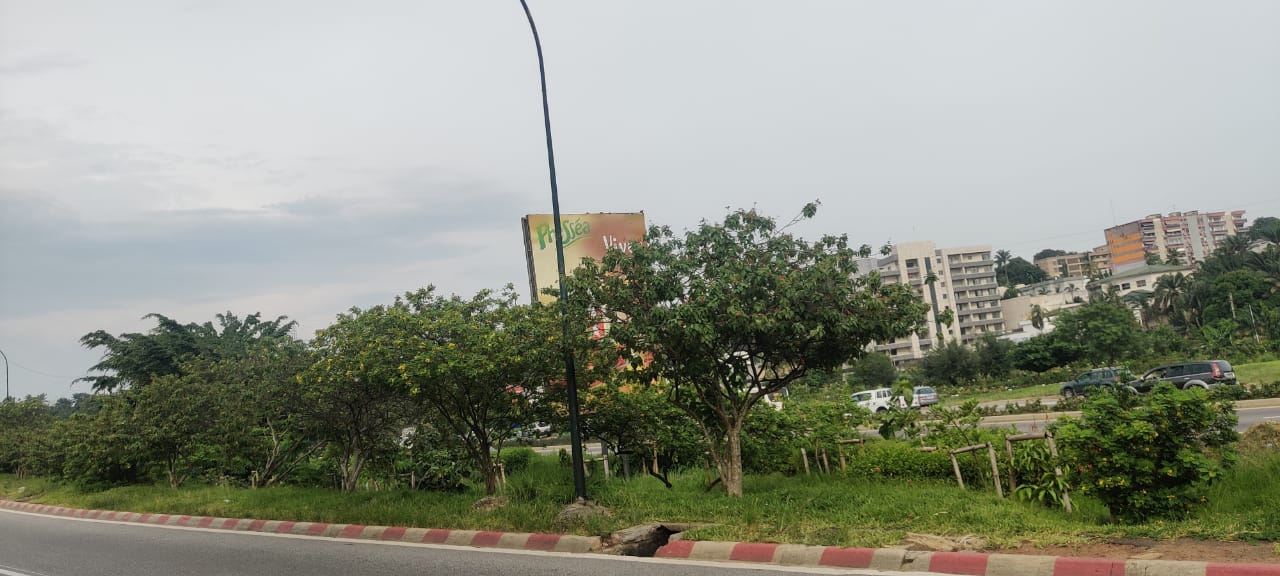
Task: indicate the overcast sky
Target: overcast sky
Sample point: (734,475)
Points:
(302,157)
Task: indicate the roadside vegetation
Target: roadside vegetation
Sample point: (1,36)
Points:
(407,412)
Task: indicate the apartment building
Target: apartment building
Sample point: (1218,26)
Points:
(1191,235)
(1074,264)
(962,280)
(1100,258)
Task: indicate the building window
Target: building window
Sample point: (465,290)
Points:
(1124,286)
(1141,283)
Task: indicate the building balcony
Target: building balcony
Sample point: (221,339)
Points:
(985,322)
(983,298)
(973,275)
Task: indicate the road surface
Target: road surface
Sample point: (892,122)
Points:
(1036,422)
(34,545)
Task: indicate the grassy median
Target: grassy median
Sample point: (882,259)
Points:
(828,509)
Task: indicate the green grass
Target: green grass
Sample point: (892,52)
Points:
(828,510)
(1026,393)
(1258,373)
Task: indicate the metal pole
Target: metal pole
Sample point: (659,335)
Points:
(6,374)
(571,377)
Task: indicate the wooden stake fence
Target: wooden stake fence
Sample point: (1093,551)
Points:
(995,468)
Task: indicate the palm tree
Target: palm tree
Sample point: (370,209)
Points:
(1037,317)
(1168,293)
(1002,258)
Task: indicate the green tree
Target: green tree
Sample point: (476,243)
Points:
(354,402)
(1105,331)
(950,364)
(22,425)
(629,418)
(1265,229)
(995,358)
(475,363)
(874,371)
(264,434)
(1019,271)
(733,311)
(1049,253)
(133,359)
(174,421)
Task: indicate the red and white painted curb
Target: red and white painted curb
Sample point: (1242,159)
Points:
(479,539)
(974,564)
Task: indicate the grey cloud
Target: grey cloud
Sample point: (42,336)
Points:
(41,63)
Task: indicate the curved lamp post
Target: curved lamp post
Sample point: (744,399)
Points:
(571,378)
(6,374)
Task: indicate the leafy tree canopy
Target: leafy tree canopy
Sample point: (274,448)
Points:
(133,359)
(1019,271)
(732,311)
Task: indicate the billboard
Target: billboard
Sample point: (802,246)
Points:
(585,236)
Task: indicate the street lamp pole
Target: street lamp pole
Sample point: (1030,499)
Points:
(571,377)
(6,374)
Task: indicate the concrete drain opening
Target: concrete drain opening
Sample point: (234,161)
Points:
(643,540)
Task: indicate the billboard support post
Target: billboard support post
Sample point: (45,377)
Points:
(571,378)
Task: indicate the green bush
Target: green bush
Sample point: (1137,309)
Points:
(771,442)
(515,460)
(1258,391)
(1150,456)
(902,460)
(1037,481)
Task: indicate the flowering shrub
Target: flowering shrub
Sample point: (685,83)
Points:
(1149,456)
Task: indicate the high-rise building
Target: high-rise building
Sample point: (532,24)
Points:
(955,282)
(1190,236)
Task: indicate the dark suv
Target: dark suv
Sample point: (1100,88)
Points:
(1084,383)
(1201,374)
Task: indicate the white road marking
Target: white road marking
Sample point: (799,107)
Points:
(6,572)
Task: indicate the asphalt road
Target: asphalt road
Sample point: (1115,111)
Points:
(34,545)
(1036,422)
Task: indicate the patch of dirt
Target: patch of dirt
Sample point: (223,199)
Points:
(1181,549)
(490,503)
(1261,437)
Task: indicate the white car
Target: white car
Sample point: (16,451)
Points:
(878,400)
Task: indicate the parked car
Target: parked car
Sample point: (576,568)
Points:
(1088,381)
(536,430)
(881,399)
(878,400)
(1198,374)
(923,396)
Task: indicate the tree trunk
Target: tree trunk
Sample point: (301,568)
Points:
(171,466)
(728,458)
(488,470)
(353,463)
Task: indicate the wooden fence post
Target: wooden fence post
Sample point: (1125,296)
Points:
(995,469)
(1057,470)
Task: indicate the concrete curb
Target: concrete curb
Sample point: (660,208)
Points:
(974,564)
(477,539)
(884,559)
